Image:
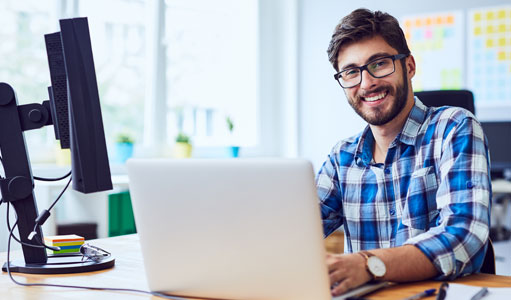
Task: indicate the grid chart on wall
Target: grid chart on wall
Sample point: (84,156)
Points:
(436,41)
(489,56)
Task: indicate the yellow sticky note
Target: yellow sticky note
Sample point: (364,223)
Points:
(502,42)
(490,15)
(478,31)
(489,43)
(489,29)
(501,14)
(477,17)
(501,55)
(502,28)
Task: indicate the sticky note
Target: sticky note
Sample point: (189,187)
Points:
(501,14)
(502,28)
(501,55)
(477,17)
(428,34)
(489,29)
(477,30)
(490,15)
(489,43)
(502,42)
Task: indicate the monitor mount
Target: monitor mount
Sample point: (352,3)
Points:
(17,188)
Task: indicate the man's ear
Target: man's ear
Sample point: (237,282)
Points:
(410,66)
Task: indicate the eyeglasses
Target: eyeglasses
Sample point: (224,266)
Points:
(94,253)
(378,68)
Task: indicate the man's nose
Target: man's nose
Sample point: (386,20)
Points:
(368,81)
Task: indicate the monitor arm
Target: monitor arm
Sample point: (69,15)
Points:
(18,185)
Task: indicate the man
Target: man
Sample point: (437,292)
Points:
(414,186)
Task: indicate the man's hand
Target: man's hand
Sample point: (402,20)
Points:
(346,271)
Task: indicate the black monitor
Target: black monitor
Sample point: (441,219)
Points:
(74,110)
(499,142)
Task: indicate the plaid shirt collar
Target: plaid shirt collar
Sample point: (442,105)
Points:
(411,128)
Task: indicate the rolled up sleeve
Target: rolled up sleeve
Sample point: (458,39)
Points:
(457,244)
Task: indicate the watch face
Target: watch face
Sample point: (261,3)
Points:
(376,266)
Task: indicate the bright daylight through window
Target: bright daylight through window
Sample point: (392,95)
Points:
(210,62)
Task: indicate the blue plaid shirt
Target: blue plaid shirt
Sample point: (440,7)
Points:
(433,191)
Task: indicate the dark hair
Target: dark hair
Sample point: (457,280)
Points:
(363,23)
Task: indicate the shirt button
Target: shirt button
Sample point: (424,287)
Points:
(392,212)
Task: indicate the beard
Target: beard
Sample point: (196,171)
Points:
(378,116)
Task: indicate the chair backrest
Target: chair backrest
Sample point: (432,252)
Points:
(460,98)
(489,260)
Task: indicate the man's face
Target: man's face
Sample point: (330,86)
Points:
(376,100)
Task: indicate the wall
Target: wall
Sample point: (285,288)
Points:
(324,114)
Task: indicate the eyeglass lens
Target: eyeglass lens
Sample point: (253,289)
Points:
(378,68)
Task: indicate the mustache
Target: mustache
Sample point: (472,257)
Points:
(376,90)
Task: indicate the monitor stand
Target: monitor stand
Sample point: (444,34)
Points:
(17,188)
(60,264)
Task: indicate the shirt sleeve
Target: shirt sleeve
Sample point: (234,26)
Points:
(457,245)
(327,184)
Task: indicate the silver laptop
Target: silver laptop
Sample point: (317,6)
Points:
(230,229)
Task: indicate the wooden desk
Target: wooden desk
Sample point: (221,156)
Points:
(129,273)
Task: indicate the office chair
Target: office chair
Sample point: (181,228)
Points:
(459,98)
(489,260)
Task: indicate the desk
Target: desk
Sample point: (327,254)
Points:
(129,272)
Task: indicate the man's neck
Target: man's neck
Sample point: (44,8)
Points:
(385,134)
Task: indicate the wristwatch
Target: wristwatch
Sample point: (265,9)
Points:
(374,265)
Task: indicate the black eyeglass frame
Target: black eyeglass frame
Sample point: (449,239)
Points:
(364,67)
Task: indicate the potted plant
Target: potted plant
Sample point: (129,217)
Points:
(233,150)
(183,146)
(124,147)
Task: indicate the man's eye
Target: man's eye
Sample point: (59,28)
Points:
(379,64)
(350,73)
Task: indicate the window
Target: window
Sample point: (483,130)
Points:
(211,55)
(210,63)
(23,62)
(118,37)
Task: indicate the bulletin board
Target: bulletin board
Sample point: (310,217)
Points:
(437,44)
(489,56)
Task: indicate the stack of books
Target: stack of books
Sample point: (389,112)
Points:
(68,244)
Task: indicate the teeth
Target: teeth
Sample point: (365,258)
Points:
(377,97)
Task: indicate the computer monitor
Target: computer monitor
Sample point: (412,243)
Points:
(75,111)
(499,140)
(91,172)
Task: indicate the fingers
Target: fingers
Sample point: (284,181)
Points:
(337,276)
(344,286)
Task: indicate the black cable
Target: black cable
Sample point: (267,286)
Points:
(61,193)
(52,179)
(15,224)
(46,213)
(157,294)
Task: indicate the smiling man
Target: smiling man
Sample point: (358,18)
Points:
(412,190)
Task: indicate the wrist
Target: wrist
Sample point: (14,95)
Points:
(375,267)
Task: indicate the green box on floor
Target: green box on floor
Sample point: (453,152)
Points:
(120,214)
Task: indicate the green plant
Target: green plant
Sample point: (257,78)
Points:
(125,138)
(230,124)
(182,138)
